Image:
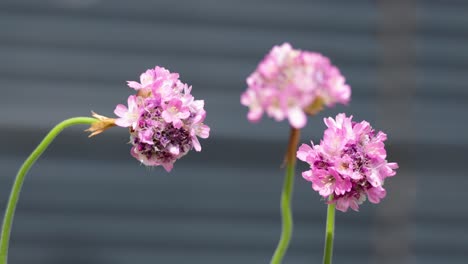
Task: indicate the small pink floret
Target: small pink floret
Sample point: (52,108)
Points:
(128,116)
(174,112)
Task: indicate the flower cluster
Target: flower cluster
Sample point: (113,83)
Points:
(163,117)
(349,163)
(289,83)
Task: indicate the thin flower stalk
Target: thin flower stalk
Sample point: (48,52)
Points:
(21,175)
(286,196)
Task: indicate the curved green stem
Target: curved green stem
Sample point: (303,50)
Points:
(286,212)
(329,233)
(15,192)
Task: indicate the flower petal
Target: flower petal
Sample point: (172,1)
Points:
(120,110)
(297,117)
(134,85)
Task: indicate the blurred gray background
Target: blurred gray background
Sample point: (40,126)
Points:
(89,201)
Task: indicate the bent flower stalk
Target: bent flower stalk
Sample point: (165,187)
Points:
(164,121)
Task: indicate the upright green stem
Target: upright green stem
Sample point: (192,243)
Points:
(329,234)
(14,195)
(286,213)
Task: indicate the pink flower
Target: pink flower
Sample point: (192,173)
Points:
(163,117)
(349,163)
(199,130)
(174,112)
(327,182)
(128,116)
(288,82)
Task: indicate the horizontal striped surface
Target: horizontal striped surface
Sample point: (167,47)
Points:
(88,201)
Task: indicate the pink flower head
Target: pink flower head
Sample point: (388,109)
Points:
(288,82)
(164,119)
(349,163)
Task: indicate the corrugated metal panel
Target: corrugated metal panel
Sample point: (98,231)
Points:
(88,201)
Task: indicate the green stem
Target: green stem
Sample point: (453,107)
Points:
(329,233)
(286,212)
(14,195)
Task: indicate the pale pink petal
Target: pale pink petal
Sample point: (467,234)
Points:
(146,136)
(303,152)
(174,150)
(196,143)
(132,102)
(354,205)
(183,115)
(134,85)
(197,105)
(177,123)
(342,204)
(167,116)
(168,166)
(121,122)
(120,110)
(374,178)
(200,116)
(203,131)
(255,114)
(375,194)
(297,117)
(330,122)
(307,175)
